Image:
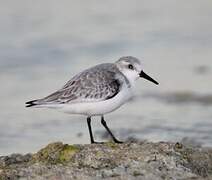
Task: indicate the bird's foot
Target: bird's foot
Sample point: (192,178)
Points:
(94,142)
(117,141)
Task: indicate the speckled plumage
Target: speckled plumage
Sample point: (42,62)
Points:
(97,83)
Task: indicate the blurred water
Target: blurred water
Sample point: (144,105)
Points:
(44,43)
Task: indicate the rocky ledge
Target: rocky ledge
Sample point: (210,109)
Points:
(143,160)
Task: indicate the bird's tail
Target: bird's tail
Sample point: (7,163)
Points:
(33,103)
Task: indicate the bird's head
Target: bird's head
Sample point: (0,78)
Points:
(131,67)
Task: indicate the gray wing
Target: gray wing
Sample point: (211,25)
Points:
(95,84)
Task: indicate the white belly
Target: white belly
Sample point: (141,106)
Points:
(98,108)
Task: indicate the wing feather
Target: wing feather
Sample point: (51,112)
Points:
(95,84)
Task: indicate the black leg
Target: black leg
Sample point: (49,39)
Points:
(90,130)
(108,130)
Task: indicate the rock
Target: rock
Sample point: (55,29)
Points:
(135,160)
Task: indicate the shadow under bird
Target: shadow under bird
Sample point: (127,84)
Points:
(96,91)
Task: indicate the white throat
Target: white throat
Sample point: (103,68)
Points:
(132,77)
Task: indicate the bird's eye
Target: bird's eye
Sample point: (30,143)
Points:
(130,66)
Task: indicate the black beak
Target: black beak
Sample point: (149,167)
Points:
(145,76)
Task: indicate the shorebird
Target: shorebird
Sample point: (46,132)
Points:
(97,91)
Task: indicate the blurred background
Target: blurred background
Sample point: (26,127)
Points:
(44,43)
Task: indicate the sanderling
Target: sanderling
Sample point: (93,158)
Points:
(97,91)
